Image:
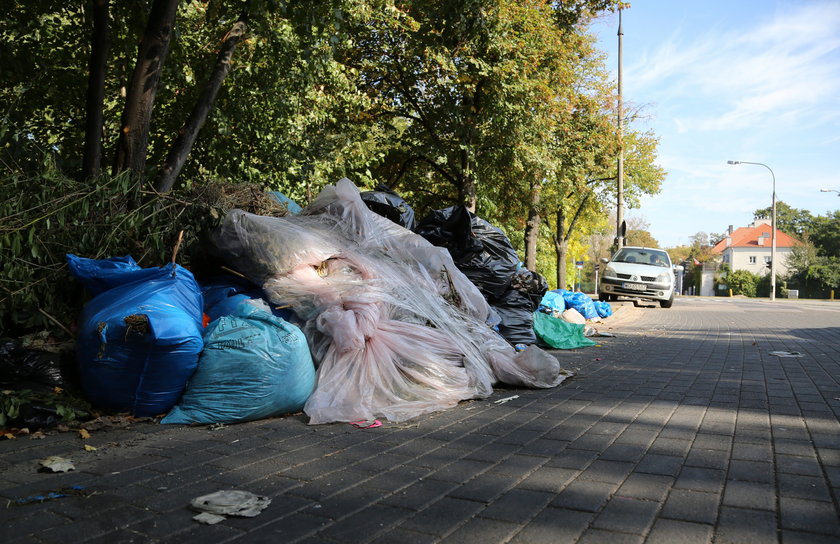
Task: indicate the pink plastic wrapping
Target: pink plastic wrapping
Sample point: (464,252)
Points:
(395,329)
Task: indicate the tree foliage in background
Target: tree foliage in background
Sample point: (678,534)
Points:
(791,221)
(814,274)
(641,238)
(471,101)
(814,266)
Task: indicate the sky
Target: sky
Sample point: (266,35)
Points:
(743,80)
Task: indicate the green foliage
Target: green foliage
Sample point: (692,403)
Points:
(636,237)
(10,402)
(813,274)
(742,282)
(825,233)
(792,221)
(429,97)
(67,406)
(44,216)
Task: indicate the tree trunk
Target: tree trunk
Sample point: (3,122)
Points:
(532,227)
(562,235)
(186,137)
(561,247)
(467,190)
(92,158)
(137,115)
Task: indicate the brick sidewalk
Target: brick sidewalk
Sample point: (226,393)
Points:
(682,428)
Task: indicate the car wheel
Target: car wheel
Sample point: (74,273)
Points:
(667,303)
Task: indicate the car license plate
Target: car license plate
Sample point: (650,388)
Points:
(635,286)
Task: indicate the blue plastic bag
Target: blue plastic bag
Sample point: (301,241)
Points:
(603,308)
(254,365)
(222,295)
(582,303)
(291,205)
(553,300)
(99,275)
(138,340)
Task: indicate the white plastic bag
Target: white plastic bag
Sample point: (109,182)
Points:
(395,329)
(570,315)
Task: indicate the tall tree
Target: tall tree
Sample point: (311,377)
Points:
(151,56)
(641,237)
(789,220)
(470,84)
(825,233)
(186,136)
(97,68)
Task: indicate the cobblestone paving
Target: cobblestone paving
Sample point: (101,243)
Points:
(683,428)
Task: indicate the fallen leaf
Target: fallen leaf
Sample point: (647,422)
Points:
(10,436)
(88,447)
(37,434)
(84,434)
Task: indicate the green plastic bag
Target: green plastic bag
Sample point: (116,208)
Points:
(559,334)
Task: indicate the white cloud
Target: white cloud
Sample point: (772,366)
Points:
(781,71)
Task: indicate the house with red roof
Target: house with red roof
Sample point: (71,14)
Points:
(749,248)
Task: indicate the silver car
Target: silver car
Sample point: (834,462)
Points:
(639,273)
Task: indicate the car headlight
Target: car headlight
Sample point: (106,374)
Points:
(663,278)
(609,271)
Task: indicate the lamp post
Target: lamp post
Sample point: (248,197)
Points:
(830,191)
(619,210)
(772,227)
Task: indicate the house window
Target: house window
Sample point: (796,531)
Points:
(752,259)
(766,259)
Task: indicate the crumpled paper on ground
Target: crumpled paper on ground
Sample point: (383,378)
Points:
(228,502)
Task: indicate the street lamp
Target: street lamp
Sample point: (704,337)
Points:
(772,227)
(830,191)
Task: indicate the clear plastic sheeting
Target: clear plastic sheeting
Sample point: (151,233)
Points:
(395,329)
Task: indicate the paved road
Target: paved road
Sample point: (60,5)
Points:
(683,428)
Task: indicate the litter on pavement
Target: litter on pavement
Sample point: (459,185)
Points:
(54,463)
(229,502)
(74,490)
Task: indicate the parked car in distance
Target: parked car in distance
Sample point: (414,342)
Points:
(640,273)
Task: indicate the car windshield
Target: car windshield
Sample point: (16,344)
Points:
(653,257)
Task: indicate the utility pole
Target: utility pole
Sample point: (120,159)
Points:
(619,213)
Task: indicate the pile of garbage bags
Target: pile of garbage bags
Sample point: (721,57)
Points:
(345,314)
(561,321)
(485,255)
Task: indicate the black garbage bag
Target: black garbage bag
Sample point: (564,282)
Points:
(19,364)
(389,204)
(517,325)
(481,251)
